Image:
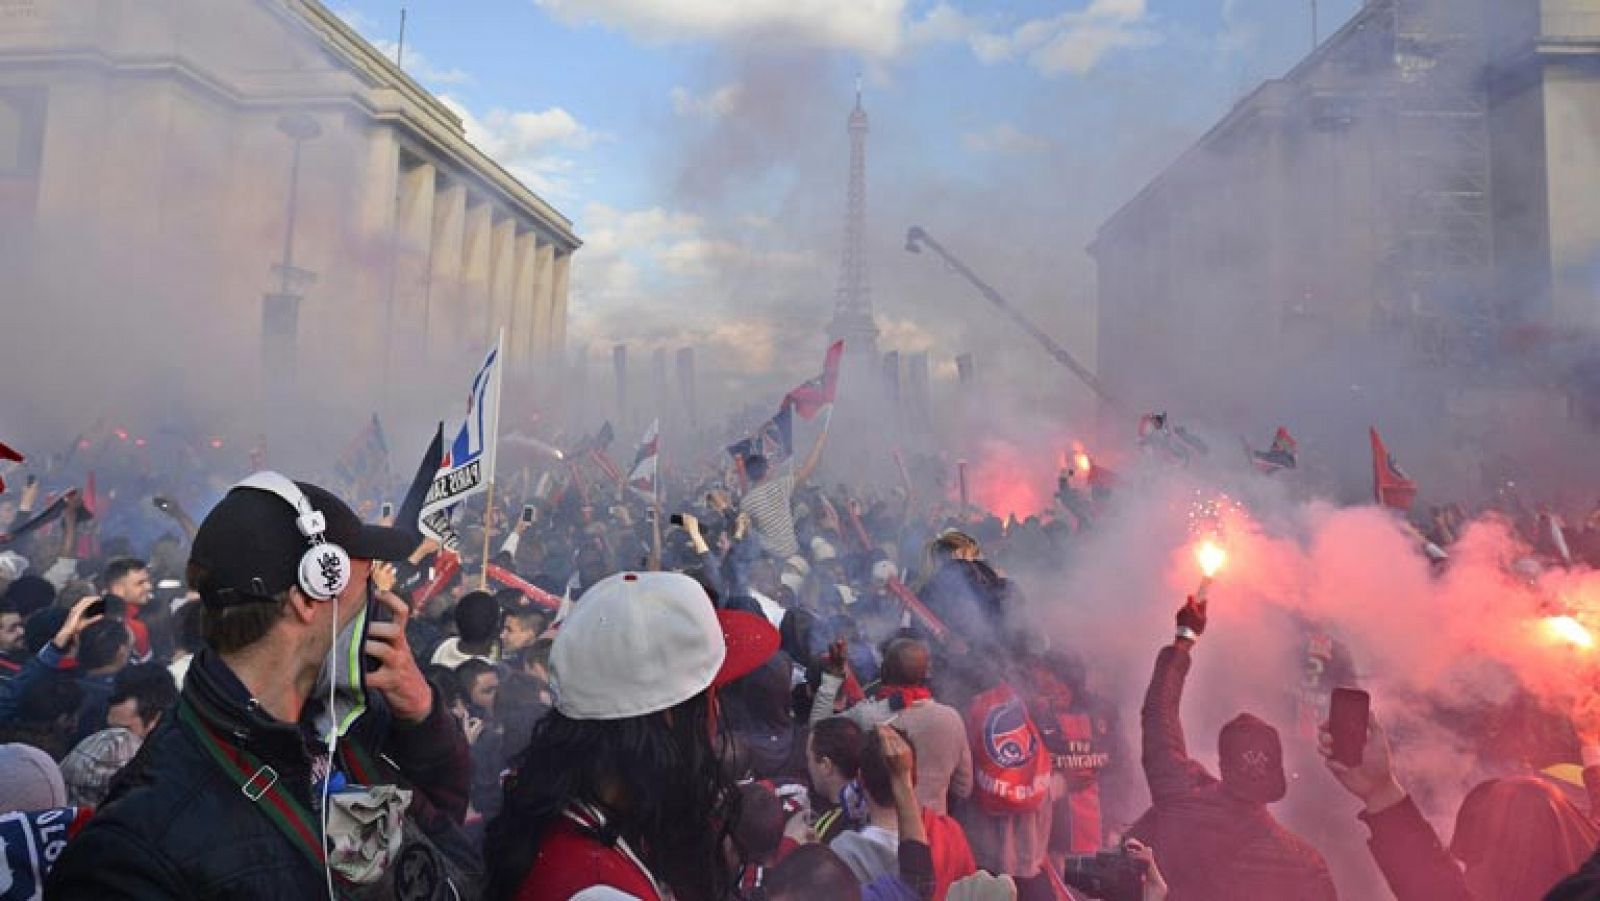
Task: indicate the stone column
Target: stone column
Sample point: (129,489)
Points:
(502,269)
(558,306)
(474,307)
(442,307)
(519,344)
(541,301)
(413,238)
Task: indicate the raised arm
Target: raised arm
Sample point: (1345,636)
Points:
(1407,850)
(812,459)
(1167,766)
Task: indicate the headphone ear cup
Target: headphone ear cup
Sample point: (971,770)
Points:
(324,571)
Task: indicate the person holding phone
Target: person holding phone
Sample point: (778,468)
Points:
(1515,838)
(228,779)
(1215,838)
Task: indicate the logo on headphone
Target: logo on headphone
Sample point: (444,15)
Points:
(331,570)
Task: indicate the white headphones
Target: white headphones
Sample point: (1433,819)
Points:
(324,569)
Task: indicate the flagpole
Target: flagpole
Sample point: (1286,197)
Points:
(491,440)
(655,487)
(488,529)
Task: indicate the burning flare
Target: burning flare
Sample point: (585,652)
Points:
(1566,630)
(1212,558)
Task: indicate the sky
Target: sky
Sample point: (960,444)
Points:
(699,148)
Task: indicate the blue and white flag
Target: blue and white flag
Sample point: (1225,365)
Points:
(467,465)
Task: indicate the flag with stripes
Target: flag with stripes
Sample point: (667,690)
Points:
(817,394)
(1282,455)
(466,466)
(773,440)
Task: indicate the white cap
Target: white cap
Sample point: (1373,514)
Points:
(640,643)
(798,564)
(821,550)
(793,581)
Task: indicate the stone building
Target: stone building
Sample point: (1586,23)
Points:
(288,208)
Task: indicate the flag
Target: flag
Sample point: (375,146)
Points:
(1390,484)
(1174,443)
(773,440)
(810,398)
(50,515)
(645,462)
(89,541)
(409,517)
(466,465)
(595,449)
(1282,455)
(366,459)
(7,454)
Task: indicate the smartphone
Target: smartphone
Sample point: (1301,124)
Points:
(161,503)
(676,519)
(527,514)
(1348,720)
(387,510)
(377,612)
(98,608)
(32,480)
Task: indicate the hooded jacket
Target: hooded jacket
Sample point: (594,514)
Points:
(176,825)
(1209,844)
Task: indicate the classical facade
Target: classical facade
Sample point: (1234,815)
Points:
(258,179)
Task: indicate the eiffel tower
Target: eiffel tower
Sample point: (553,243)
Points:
(852,305)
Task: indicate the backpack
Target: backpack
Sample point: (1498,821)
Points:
(1011,770)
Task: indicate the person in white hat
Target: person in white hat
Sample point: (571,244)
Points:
(622,792)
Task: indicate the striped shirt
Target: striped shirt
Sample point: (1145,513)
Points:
(769,505)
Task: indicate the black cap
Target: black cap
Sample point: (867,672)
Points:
(250,546)
(1252,760)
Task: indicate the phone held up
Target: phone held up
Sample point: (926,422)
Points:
(528,512)
(387,510)
(1348,719)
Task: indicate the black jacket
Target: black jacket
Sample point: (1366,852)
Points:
(175,825)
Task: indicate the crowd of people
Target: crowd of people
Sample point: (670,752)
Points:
(779,691)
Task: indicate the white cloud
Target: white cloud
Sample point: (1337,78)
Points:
(944,24)
(530,145)
(720,102)
(878,30)
(871,27)
(710,284)
(1070,42)
(1004,139)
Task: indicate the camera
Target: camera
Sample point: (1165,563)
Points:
(1109,875)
